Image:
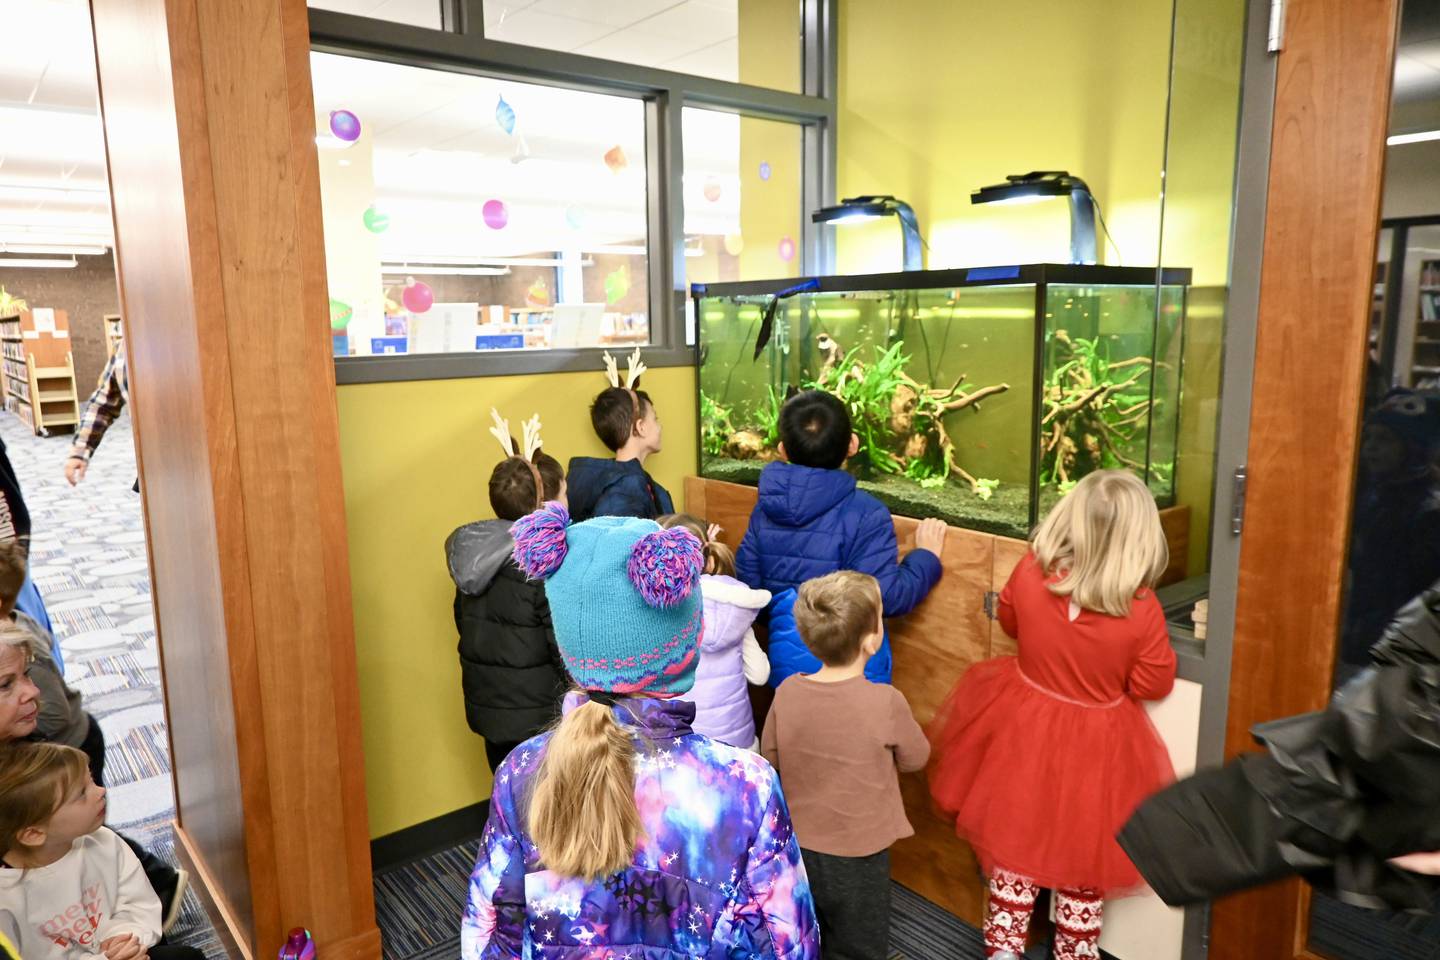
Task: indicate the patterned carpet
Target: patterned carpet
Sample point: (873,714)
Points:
(88,559)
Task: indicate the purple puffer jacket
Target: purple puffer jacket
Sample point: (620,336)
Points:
(717,874)
(722,703)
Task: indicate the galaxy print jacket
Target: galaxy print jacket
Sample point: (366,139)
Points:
(717,876)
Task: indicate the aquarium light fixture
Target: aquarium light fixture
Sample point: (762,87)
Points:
(1042,185)
(1418,137)
(855,209)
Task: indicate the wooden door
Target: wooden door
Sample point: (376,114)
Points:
(1330,118)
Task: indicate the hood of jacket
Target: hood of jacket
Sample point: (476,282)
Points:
(589,477)
(793,496)
(730,609)
(476,552)
(1414,635)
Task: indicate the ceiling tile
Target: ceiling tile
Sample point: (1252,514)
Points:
(641,47)
(720,61)
(536,29)
(614,13)
(693,20)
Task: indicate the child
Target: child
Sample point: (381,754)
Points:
(623,832)
(811,520)
(624,419)
(1042,757)
(59,715)
(510,670)
(730,656)
(69,887)
(837,740)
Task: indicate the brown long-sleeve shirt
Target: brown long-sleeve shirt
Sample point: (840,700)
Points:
(837,747)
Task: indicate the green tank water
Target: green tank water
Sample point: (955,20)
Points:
(979,396)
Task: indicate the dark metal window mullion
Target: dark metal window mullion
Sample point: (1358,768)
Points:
(664,153)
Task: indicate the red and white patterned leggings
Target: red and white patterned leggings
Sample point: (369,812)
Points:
(1007,920)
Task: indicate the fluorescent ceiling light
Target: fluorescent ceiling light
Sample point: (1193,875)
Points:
(621,250)
(395,270)
(23,262)
(70,248)
(1419,137)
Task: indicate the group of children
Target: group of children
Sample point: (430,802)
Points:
(645,821)
(69,886)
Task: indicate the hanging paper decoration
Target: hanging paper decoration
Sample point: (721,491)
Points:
(345,125)
(765,170)
(734,243)
(340,314)
(712,189)
(505,116)
(615,159)
(617,284)
(418,297)
(787,249)
(522,149)
(538,295)
(496,214)
(575,218)
(375,221)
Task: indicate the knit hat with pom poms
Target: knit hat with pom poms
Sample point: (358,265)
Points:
(624,598)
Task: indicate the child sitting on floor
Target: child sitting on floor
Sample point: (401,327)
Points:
(69,887)
(730,656)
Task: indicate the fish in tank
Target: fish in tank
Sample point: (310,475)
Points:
(978,396)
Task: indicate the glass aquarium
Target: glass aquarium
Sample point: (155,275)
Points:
(979,396)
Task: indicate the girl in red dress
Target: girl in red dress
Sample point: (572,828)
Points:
(1042,757)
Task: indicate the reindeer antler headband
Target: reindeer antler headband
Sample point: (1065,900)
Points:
(634,367)
(530,441)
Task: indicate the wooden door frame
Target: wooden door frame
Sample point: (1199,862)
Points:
(1331,113)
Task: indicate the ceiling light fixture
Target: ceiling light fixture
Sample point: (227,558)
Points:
(72,249)
(1418,137)
(26,262)
(403,269)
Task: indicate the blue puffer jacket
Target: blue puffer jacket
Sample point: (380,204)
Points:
(811,522)
(607,488)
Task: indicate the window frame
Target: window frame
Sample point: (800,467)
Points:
(461,47)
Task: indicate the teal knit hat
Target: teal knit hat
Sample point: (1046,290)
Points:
(622,595)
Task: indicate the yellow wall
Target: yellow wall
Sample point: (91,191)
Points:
(417,457)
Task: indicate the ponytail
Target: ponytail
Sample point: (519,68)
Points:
(719,559)
(583,816)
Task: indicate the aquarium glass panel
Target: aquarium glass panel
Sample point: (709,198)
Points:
(1098,379)
(939,384)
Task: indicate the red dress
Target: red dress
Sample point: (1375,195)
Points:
(1041,758)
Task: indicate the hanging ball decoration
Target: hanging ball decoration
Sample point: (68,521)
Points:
(340,314)
(617,284)
(734,244)
(418,297)
(765,170)
(496,214)
(375,221)
(712,189)
(505,116)
(787,249)
(615,159)
(345,125)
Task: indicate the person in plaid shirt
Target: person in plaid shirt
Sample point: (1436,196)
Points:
(104,406)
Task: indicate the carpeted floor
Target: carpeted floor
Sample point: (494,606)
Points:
(88,559)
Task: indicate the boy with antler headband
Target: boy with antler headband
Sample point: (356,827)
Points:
(625,421)
(510,668)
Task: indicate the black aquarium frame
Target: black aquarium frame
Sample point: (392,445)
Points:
(1041,275)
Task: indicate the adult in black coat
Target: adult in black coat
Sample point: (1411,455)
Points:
(1341,796)
(511,672)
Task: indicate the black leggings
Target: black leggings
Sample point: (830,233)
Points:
(174,951)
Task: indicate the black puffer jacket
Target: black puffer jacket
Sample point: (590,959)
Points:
(510,668)
(1334,797)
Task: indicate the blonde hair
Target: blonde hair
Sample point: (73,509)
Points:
(1105,541)
(35,780)
(835,612)
(719,559)
(583,816)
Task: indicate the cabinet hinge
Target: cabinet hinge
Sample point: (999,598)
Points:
(1276,37)
(992,604)
(1237,501)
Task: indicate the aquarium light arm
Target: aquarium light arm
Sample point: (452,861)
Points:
(855,209)
(1043,184)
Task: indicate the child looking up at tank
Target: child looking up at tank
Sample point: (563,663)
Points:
(1041,758)
(625,420)
(510,669)
(811,520)
(730,656)
(69,887)
(837,740)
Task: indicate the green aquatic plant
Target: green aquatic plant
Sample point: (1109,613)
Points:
(1095,409)
(767,417)
(716,425)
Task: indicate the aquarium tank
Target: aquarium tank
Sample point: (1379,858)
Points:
(979,396)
